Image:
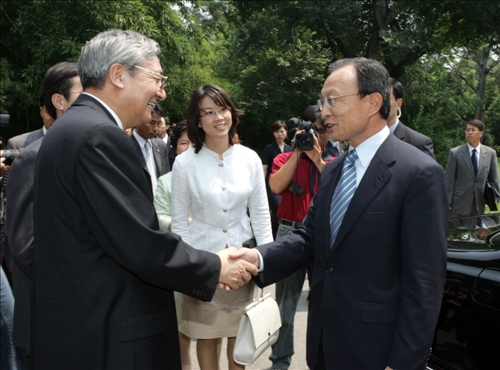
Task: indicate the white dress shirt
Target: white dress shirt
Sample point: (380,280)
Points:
(478,151)
(366,150)
(217,193)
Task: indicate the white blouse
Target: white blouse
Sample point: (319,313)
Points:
(217,194)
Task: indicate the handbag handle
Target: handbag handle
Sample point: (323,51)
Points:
(256,293)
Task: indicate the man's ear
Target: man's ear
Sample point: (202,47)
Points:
(117,74)
(375,103)
(399,102)
(58,101)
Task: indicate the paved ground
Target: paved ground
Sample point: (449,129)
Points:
(262,363)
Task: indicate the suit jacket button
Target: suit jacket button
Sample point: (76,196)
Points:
(329,271)
(224,231)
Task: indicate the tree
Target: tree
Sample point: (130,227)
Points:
(399,33)
(37,34)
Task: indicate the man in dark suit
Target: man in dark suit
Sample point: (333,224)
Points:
(104,271)
(401,131)
(469,167)
(61,86)
(377,283)
(146,143)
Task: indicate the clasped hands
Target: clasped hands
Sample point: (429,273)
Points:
(237,267)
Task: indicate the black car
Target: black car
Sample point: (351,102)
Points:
(468,330)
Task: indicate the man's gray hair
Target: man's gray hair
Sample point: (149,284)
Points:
(114,46)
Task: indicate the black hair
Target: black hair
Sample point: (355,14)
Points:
(57,80)
(372,78)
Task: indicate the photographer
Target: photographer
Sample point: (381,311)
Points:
(295,176)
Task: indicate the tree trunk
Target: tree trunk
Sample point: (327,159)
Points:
(482,58)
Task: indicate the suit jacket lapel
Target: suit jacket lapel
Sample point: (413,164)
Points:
(483,160)
(89,101)
(399,132)
(156,155)
(465,156)
(138,148)
(374,179)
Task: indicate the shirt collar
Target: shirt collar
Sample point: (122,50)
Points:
(139,139)
(367,149)
(393,127)
(118,121)
(478,147)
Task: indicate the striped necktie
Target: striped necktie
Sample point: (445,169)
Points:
(148,154)
(342,195)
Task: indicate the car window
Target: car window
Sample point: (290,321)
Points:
(475,233)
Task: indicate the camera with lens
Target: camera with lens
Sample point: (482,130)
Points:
(9,155)
(304,141)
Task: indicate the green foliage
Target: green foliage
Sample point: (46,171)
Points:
(271,56)
(438,102)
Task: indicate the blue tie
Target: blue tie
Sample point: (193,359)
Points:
(342,195)
(473,158)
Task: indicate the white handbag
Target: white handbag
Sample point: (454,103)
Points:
(258,330)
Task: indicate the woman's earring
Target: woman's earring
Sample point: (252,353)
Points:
(399,112)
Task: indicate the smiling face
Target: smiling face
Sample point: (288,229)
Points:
(141,92)
(348,120)
(216,125)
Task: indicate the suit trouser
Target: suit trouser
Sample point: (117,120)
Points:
(288,292)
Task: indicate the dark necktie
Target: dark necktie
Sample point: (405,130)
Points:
(343,193)
(473,158)
(148,152)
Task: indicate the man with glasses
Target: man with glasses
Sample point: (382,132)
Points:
(375,234)
(468,169)
(60,87)
(104,271)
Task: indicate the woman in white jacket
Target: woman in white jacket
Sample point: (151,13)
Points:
(221,185)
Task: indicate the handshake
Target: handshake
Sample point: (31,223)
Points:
(237,267)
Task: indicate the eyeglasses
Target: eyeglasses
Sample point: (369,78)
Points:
(211,114)
(162,79)
(330,101)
